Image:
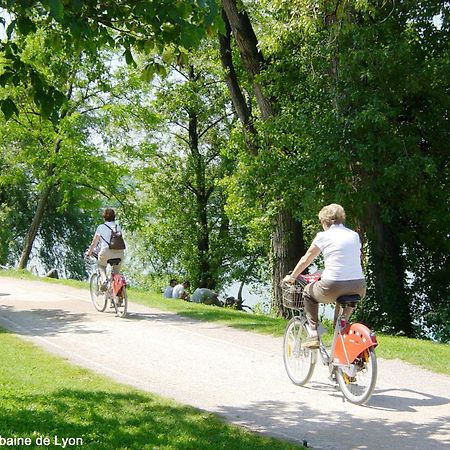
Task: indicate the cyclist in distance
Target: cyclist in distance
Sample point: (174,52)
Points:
(102,239)
(343,274)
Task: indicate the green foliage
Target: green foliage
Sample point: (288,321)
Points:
(8,108)
(89,26)
(395,113)
(186,231)
(360,95)
(15,206)
(56,153)
(362,121)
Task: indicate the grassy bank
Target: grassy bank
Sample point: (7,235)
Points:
(45,397)
(424,353)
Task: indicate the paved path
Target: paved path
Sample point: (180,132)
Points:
(236,374)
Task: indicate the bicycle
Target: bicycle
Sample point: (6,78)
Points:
(351,360)
(115,292)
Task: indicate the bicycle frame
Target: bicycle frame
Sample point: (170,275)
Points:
(115,291)
(351,361)
(349,341)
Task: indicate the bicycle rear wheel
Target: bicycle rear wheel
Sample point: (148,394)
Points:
(121,302)
(98,298)
(298,361)
(359,389)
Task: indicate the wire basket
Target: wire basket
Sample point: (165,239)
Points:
(292,295)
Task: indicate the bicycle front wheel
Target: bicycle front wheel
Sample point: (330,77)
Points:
(98,298)
(121,302)
(358,389)
(298,361)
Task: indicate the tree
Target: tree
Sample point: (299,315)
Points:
(55,152)
(152,26)
(365,116)
(188,230)
(287,238)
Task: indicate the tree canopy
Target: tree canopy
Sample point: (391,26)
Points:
(233,123)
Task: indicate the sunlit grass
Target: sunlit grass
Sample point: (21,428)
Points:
(421,352)
(44,396)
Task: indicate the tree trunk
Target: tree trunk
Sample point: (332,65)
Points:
(40,211)
(201,196)
(288,246)
(204,267)
(43,198)
(287,239)
(34,228)
(245,278)
(237,97)
(247,44)
(389,275)
(330,20)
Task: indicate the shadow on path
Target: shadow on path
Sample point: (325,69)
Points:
(408,400)
(301,422)
(44,322)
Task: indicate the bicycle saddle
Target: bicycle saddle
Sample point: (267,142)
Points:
(114,261)
(348,300)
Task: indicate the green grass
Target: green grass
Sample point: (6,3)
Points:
(430,355)
(423,353)
(44,396)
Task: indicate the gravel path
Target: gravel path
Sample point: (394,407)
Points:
(236,374)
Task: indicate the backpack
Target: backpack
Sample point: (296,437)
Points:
(116,242)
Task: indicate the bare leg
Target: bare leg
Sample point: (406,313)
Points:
(348,312)
(102,270)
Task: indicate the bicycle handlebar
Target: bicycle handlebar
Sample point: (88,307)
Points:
(88,258)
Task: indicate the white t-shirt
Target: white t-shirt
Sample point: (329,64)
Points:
(178,291)
(200,295)
(341,249)
(105,233)
(168,292)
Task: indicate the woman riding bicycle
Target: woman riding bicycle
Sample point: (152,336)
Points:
(341,249)
(102,238)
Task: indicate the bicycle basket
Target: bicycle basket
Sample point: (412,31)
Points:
(292,296)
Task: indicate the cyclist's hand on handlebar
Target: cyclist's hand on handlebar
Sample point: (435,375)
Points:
(289,279)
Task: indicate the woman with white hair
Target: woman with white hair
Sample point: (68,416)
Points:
(343,275)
